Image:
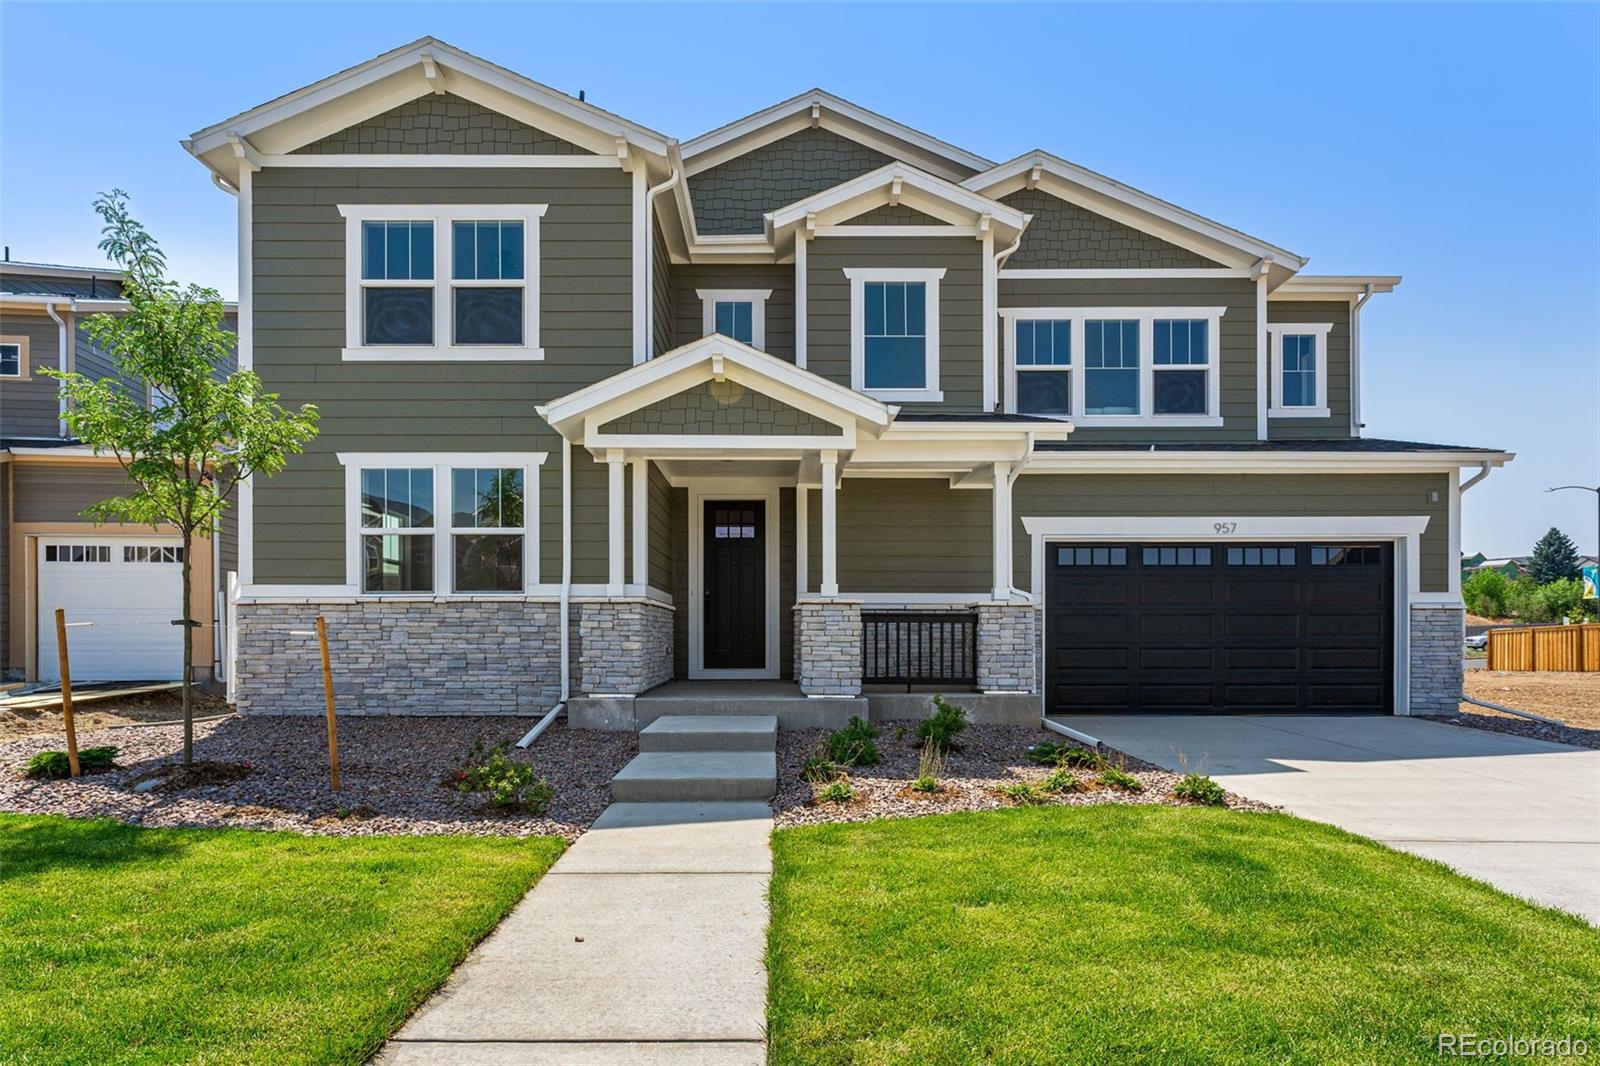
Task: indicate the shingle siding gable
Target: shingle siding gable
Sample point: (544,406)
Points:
(442,125)
(732,197)
(1063,235)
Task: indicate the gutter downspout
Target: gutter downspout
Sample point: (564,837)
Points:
(565,611)
(999,258)
(650,230)
(1483,472)
(1355,361)
(64,361)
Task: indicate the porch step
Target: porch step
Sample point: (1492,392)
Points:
(687,776)
(791,711)
(710,732)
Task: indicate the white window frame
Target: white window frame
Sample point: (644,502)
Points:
(444,528)
(1146,317)
(443,348)
(21,344)
(1277,331)
(756,298)
(928,276)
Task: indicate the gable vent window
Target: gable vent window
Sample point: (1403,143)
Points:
(1044,361)
(737,313)
(487,282)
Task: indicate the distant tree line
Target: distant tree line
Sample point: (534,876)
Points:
(1548,591)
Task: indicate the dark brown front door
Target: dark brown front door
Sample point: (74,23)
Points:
(735,600)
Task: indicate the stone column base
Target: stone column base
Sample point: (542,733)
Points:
(1007,648)
(827,647)
(624,646)
(1436,669)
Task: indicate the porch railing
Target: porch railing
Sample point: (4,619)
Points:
(919,648)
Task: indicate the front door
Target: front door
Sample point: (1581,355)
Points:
(735,600)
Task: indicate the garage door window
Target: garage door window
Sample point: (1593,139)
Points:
(1091,557)
(152,553)
(1364,555)
(1176,556)
(1261,556)
(77,553)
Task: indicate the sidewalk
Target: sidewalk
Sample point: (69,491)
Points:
(645,943)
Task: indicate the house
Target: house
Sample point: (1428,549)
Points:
(1513,566)
(814,397)
(125,580)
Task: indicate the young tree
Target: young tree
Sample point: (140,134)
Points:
(1555,558)
(202,433)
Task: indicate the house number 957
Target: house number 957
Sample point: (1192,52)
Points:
(1225,527)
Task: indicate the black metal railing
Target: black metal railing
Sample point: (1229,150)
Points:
(923,648)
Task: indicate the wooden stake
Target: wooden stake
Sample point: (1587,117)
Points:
(327,691)
(66,691)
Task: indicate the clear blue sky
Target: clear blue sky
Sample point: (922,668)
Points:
(1456,145)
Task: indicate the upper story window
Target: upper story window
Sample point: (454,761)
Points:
(1138,366)
(13,357)
(398,308)
(737,313)
(894,333)
(1299,370)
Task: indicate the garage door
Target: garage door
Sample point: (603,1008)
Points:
(1240,628)
(130,588)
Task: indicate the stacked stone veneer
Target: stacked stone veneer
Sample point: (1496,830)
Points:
(1436,638)
(827,647)
(401,657)
(624,646)
(1007,647)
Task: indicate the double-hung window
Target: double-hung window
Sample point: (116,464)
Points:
(447,283)
(737,313)
(450,524)
(1182,362)
(1111,366)
(894,333)
(1299,370)
(13,357)
(1044,366)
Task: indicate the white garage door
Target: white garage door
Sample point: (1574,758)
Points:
(130,588)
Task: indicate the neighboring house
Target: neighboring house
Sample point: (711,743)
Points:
(1513,567)
(754,405)
(124,579)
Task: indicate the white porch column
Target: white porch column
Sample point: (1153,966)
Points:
(641,522)
(1002,532)
(614,515)
(802,546)
(830,490)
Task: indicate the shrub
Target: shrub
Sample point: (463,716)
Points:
(510,785)
(1054,753)
(1198,788)
(838,792)
(1062,781)
(930,765)
(1044,753)
(1486,593)
(1117,777)
(1022,793)
(854,744)
(56,763)
(941,729)
(819,768)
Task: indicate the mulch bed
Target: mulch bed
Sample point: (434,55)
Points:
(990,756)
(1522,727)
(390,767)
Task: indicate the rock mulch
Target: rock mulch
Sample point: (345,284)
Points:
(990,756)
(391,769)
(1523,727)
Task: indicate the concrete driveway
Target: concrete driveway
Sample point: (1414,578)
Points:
(1523,815)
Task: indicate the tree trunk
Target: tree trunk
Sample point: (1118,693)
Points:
(188,654)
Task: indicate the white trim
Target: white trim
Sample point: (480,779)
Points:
(1093,273)
(443,530)
(928,276)
(390,161)
(642,252)
(848,196)
(802,540)
(1342,287)
(919,599)
(1262,374)
(244,354)
(614,521)
(829,585)
(1453,536)
(640,504)
(1000,533)
(1121,461)
(846,230)
(756,298)
(1318,330)
(991,302)
(701,491)
(800,283)
(443,284)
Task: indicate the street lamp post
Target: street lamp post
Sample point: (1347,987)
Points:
(1586,488)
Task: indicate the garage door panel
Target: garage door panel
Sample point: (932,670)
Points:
(1347,697)
(1102,592)
(1177,625)
(1094,697)
(1237,659)
(1262,697)
(1361,595)
(1338,625)
(1175,697)
(1357,658)
(1261,593)
(1257,625)
(1091,627)
(1177,594)
(1176,658)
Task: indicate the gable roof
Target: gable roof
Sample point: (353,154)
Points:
(818,107)
(897,183)
(426,65)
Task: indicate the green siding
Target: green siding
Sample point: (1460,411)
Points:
(679,514)
(1238,340)
(585,330)
(894,215)
(445,124)
(689,312)
(732,197)
(661,529)
(1226,496)
(722,408)
(960,307)
(1063,235)
(906,535)
(1338,422)
(661,292)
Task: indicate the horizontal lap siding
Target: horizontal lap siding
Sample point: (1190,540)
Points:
(299,281)
(1229,496)
(906,536)
(1338,422)
(960,307)
(1238,341)
(689,313)
(661,531)
(29,407)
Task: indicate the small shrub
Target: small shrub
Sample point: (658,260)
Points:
(1117,777)
(941,729)
(854,744)
(1198,788)
(1062,780)
(819,769)
(510,785)
(838,792)
(1022,793)
(930,766)
(1044,753)
(56,763)
(1081,757)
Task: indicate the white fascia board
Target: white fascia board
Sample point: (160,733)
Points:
(1055,430)
(1141,201)
(949,192)
(1246,528)
(1333,286)
(1223,462)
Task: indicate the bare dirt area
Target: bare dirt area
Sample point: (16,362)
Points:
(1572,698)
(990,757)
(271,772)
(102,714)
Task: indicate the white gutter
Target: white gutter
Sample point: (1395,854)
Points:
(223,183)
(1483,472)
(1027,457)
(566,569)
(63,362)
(1509,710)
(1067,730)
(1355,360)
(650,250)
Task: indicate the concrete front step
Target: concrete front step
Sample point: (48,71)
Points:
(792,712)
(687,776)
(710,732)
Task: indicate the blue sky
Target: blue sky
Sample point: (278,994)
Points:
(1456,145)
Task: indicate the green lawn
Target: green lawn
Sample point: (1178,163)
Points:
(120,944)
(1150,934)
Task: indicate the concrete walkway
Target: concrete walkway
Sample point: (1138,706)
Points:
(645,943)
(1523,815)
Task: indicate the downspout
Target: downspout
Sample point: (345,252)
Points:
(1483,472)
(999,370)
(64,359)
(1355,361)
(564,613)
(650,229)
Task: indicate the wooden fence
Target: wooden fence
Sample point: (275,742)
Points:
(1545,648)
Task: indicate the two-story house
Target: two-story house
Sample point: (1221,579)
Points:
(813,397)
(124,580)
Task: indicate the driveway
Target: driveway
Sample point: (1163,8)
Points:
(1523,815)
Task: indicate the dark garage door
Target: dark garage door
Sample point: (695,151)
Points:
(1219,627)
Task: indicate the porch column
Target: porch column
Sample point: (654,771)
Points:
(614,515)
(802,546)
(641,522)
(1002,532)
(830,490)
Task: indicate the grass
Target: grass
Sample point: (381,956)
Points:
(122,944)
(1149,934)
